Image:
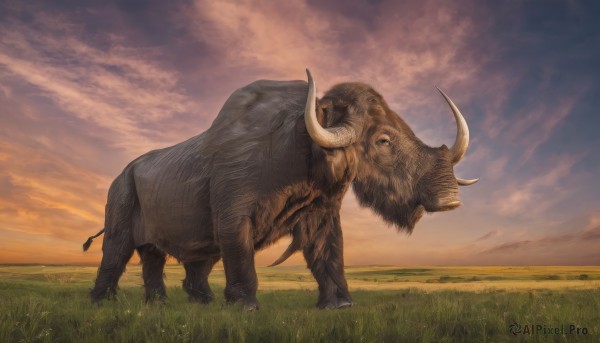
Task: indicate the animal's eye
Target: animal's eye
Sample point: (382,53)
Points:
(373,100)
(384,140)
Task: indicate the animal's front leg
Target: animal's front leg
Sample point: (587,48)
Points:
(325,258)
(237,248)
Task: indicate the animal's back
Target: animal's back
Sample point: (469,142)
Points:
(251,149)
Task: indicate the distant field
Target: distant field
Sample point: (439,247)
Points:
(424,304)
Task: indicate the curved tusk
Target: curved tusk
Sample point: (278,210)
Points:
(335,137)
(462,182)
(291,249)
(461,143)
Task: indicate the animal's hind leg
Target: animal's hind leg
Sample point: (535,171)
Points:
(196,280)
(118,245)
(153,264)
(116,252)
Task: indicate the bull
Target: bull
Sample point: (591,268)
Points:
(275,162)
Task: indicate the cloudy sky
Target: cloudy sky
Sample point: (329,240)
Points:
(85,87)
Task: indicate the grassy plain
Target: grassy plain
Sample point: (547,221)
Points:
(412,304)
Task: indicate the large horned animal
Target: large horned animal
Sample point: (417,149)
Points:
(276,161)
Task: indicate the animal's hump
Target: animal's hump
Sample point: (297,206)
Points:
(262,99)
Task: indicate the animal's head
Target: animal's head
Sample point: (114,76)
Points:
(397,175)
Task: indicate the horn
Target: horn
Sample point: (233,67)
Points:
(463,182)
(334,137)
(461,143)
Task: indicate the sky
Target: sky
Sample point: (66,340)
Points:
(87,86)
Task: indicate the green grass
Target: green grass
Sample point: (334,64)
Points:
(51,304)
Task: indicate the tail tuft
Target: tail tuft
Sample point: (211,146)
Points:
(87,243)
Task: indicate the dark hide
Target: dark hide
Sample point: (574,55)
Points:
(153,263)
(255,176)
(195,283)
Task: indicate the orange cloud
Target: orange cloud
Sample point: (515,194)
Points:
(42,194)
(76,107)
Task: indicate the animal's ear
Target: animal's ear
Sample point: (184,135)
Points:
(324,108)
(335,166)
(336,112)
(333,113)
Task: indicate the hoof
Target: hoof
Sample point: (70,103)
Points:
(99,294)
(202,297)
(335,304)
(328,306)
(97,301)
(343,303)
(250,306)
(156,296)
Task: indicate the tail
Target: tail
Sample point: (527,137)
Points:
(89,241)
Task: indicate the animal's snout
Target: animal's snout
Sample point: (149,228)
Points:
(447,205)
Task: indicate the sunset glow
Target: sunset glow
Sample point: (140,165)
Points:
(87,87)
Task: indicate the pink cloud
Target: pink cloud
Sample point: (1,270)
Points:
(530,197)
(497,168)
(104,104)
(558,249)
(120,89)
(534,128)
(491,234)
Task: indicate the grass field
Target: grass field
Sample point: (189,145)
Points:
(412,304)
